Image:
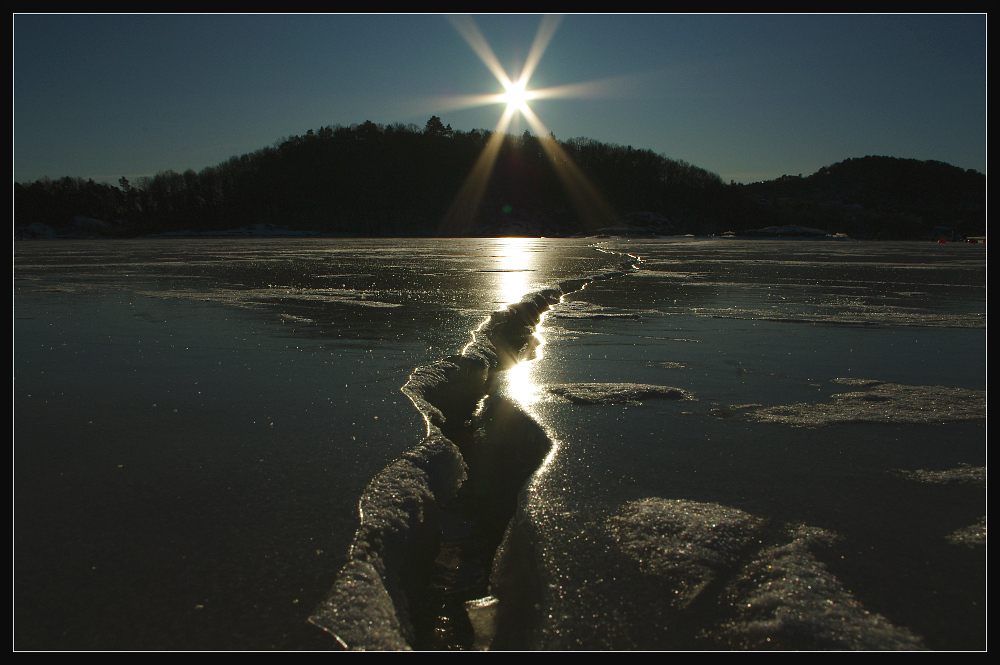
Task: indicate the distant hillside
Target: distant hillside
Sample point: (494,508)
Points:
(404,180)
(880,197)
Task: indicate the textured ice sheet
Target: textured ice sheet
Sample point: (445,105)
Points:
(775,594)
(893,316)
(973,535)
(973,475)
(367,608)
(616,393)
(679,575)
(882,403)
(581,309)
(785,599)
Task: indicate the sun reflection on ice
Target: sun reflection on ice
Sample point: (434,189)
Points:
(516,262)
(513,270)
(522,379)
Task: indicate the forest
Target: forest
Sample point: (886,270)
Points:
(371,180)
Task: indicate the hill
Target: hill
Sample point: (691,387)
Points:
(404,180)
(880,197)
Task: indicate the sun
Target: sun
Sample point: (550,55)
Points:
(517,96)
(590,204)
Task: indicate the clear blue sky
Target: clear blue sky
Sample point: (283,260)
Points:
(749,97)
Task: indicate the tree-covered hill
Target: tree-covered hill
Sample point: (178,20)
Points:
(399,180)
(886,197)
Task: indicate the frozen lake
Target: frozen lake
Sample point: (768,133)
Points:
(195,422)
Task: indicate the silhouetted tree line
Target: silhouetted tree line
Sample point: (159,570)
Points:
(398,180)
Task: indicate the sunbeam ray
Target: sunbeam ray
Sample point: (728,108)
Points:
(546,31)
(462,212)
(467,27)
(591,205)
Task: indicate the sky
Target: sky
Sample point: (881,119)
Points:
(749,97)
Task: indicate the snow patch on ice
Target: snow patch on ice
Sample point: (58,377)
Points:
(971,536)
(971,475)
(580,309)
(615,393)
(891,316)
(882,403)
(786,599)
(738,582)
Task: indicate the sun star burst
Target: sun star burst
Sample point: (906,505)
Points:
(517,96)
(592,207)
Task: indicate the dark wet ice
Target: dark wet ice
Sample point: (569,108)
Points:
(196,421)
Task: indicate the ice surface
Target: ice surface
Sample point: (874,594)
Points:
(197,421)
(219,425)
(973,535)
